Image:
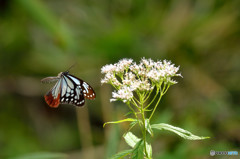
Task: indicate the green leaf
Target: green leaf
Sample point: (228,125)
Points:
(132,140)
(119,121)
(148,127)
(132,124)
(128,113)
(181,132)
(148,110)
(149,150)
(121,154)
(138,150)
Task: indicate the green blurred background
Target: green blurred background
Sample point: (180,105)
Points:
(40,38)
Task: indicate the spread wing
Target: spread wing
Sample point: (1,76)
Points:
(86,88)
(71,92)
(68,90)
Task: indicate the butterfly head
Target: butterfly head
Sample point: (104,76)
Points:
(62,73)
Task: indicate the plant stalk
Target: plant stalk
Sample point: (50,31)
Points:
(156,106)
(144,125)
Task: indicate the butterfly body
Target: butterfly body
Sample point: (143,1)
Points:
(68,90)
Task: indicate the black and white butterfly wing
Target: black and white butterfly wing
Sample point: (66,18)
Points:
(71,91)
(85,87)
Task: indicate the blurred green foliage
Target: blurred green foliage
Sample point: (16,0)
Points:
(42,38)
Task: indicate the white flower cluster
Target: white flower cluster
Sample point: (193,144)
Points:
(127,76)
(125,93)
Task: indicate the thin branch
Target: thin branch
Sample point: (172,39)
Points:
(130,107)
(156,106)
(157,91)
(146,98)
(136,100)
(164,91)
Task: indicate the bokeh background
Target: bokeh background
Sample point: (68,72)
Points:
(40,38)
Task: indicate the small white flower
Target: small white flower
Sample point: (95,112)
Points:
(108,68)
(138,69)
(113,100)
(125,94)
(148,63)
(110,78)
(141,85)
(170,81)
(134,68)
(128,78)
(122,65)
(107,79)
(154,75)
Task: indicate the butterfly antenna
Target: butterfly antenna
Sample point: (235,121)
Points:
(71,67)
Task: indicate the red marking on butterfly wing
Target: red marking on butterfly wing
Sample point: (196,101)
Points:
(51,101)
(90,94)
(87,89)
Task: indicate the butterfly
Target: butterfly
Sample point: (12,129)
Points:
(68,90)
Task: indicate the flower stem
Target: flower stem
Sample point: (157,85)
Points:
(152,99)
(135,104)
(166,89)
(149,94)
(128,104)
(144,125)
(161,94)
